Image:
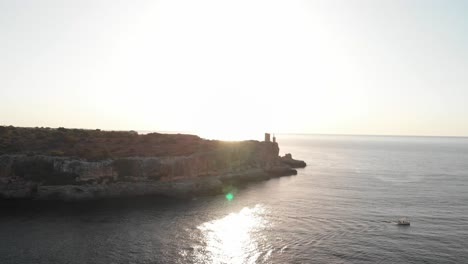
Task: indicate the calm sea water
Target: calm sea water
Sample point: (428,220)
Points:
(342,208)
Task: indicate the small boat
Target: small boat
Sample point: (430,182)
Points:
(403,221)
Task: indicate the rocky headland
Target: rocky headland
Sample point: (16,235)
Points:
(288,160)
(76,164)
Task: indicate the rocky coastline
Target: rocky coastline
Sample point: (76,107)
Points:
(209,170)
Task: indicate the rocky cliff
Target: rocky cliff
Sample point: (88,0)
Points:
(203,167)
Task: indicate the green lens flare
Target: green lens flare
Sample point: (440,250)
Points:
(229,196)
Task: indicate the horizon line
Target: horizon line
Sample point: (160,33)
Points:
(281,133)
(370,135)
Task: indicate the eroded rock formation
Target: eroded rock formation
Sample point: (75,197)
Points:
(293,163)
(202,171)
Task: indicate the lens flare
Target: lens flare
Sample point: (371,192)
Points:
(229,196)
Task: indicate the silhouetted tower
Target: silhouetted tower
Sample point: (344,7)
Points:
(274,138)
(267,137)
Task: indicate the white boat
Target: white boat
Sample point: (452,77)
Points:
(403,221)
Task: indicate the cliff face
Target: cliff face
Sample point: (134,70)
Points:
(208,170)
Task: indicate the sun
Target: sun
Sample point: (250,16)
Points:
(243,132)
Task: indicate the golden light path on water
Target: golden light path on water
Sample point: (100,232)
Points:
(235,238)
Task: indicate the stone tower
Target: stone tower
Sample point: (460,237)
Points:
(267,137)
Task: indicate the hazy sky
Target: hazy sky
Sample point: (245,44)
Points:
(236,68)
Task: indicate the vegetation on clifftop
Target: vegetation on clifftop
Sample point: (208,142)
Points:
(97,144)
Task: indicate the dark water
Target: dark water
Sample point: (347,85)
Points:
(340,209)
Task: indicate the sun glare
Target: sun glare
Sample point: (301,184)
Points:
(233,238)
(234,132)
(232,135)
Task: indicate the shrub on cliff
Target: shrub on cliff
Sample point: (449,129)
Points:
(97,144)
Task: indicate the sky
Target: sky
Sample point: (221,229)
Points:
(236,69)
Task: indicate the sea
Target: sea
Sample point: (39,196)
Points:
(342,208)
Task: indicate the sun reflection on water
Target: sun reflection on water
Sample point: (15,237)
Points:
(235,238)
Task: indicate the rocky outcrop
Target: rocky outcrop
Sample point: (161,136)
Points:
(202,172)
(288,160)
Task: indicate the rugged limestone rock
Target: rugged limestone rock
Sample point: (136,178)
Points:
(288,160)
(206,171)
